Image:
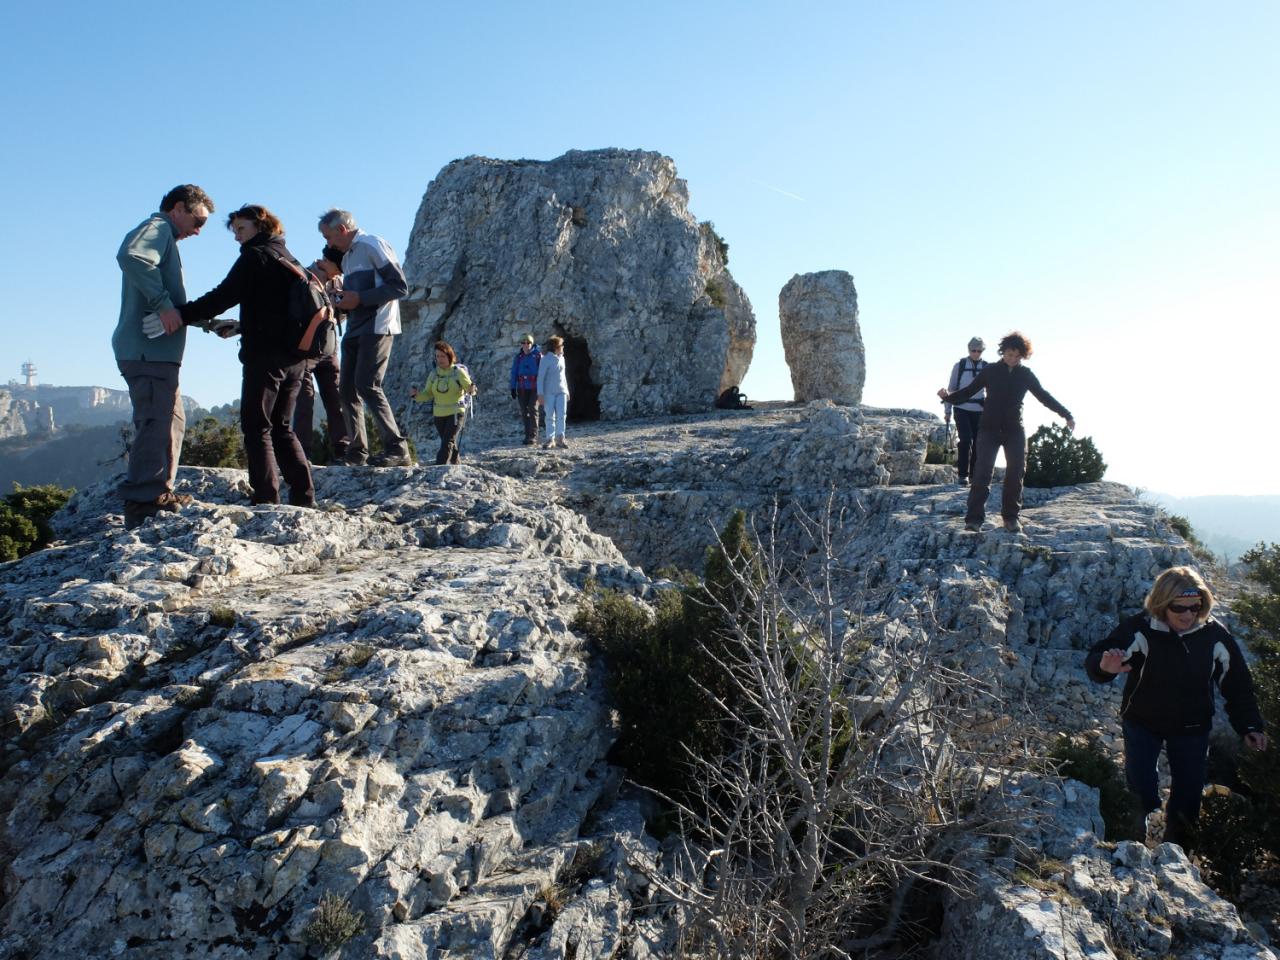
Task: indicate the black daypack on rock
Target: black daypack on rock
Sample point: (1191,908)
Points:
(732,399)
(311,328)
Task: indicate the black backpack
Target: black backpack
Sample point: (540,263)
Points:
(311,330)
(732,399)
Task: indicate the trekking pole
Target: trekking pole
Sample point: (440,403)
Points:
(946,443)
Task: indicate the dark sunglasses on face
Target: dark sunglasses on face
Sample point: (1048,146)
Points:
(1185,607)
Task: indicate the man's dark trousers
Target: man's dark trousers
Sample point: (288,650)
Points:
(364,363)
(325,372)
(966,448)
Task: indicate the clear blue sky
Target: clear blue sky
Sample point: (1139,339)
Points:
(1102,175)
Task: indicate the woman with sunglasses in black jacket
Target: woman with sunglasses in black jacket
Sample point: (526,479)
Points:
(1174,653)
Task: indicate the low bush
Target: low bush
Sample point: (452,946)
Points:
(24,518)
(211,442)
(1057,459)
(662,673)
(333,923)
(1229,840)
(939,453)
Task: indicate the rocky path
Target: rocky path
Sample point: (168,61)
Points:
(214,720)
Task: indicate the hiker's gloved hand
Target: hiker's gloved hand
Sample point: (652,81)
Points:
(151,325)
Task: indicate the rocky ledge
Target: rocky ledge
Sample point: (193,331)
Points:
(214,721)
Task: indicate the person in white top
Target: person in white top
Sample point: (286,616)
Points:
(553,391)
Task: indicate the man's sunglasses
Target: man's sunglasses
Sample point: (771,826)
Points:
(1185,607)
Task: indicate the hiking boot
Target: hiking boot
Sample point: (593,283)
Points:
(530,441)
(137,511)
(391,460)
(1012,525)
(350,460)
(548,445)
(973,526)
(562,443)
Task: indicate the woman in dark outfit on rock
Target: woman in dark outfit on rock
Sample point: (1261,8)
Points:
(1175,653)
(272,374)
(1006,383)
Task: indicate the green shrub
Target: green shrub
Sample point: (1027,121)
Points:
(709,229)
(662,672)
(24,518)
(1259,612)
(1089,763)
(1057,459)
(939,453)
(333,923)
(1229,840)
(1182,527)
(213,443)
(715,293)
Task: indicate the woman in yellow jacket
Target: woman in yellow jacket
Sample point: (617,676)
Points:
(446,386)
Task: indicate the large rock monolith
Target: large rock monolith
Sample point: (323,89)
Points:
(596,246)
(821,338)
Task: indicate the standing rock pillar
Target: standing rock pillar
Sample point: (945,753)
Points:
(821,337)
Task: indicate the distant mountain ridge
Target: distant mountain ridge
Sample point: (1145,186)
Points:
(1226,523)
(70,436)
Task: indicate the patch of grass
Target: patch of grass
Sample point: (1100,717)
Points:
(348,661)
(939,453)
(222,616)
(555,896)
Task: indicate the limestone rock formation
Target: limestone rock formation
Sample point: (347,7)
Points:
(12,423)
(821,338)
(598,246)
(214,720)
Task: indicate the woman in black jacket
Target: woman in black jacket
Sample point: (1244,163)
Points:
(1175,653)
(260,284)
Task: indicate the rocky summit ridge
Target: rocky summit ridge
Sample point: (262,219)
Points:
(215,720)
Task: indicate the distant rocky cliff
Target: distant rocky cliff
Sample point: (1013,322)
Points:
(214,720)
(43,408)
(598,246)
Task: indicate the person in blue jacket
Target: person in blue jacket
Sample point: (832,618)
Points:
(1174,654)
(524,386)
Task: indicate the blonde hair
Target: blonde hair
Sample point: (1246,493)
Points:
(1171,585)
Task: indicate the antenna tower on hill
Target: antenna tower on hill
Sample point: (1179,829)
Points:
(29,371)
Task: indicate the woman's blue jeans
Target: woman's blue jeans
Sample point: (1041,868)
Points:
(1188,761)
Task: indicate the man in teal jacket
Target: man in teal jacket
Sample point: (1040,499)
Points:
(152,283)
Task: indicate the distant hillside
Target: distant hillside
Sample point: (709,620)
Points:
(88,440)
(74,457)
(1227,524)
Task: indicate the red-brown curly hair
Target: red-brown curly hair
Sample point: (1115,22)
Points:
(267,221)
(1015,340)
